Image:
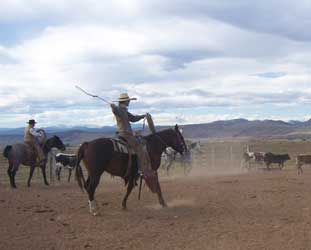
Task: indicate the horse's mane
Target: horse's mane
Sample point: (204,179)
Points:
(159,133)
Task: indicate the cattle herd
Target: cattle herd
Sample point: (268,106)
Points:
(250,160)
(268,158)
(68,161)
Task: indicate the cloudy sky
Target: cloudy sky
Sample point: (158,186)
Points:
(186,61)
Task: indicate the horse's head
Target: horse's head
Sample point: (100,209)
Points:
(57,143)
(177,141)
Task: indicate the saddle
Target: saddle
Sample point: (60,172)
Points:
(121,146)
(31,150)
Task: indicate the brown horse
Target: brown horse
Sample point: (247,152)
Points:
(21,153)
(99,156)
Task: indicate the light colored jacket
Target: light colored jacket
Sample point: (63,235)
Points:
(30,135)
(124,118)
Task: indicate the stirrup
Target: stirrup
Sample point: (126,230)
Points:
(139,172)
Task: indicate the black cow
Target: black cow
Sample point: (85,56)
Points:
(270,158)
(67,161)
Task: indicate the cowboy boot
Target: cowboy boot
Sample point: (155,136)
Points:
(139,168)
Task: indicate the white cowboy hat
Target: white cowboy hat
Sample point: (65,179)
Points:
(125,97)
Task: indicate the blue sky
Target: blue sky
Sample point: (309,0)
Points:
(185,61)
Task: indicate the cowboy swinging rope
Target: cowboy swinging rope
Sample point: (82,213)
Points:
(148,118)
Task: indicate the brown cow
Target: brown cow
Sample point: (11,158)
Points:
(256,157)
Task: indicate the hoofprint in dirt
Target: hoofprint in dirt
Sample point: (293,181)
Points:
(257,210)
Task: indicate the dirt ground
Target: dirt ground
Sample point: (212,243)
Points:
(254,210)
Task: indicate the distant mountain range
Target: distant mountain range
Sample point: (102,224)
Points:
(58,129)
(228,129)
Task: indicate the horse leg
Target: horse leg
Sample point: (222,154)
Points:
(187,168)
(32,168)
(168,167)
(58,171)
(183,165)
(11,175)
(91,187)
(159,193)
(87,183)
(69,175)
(43,167)
(130,187)
(299,166)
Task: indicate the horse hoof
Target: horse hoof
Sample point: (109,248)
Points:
(124,207)
(47,184)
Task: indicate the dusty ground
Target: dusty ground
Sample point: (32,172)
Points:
(256,210)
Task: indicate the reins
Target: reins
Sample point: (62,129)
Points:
(161,140)
(166,145)
(144,124)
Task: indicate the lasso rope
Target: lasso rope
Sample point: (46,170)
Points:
(96,96)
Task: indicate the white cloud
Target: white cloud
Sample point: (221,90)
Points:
(173,56)
(66,10)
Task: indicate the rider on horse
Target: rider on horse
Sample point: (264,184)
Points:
(32,137)
(125,132)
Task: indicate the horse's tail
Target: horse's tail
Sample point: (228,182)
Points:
(6,151)
(79,172)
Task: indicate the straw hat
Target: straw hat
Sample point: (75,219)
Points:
(125,97)
(32,121)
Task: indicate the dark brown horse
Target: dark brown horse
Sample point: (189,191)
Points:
(21,153)
(99,156)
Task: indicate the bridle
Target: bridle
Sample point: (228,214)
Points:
(179,139)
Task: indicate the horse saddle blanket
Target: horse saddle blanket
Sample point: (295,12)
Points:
(121,146)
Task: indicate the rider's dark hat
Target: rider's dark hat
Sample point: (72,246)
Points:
(32,121)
